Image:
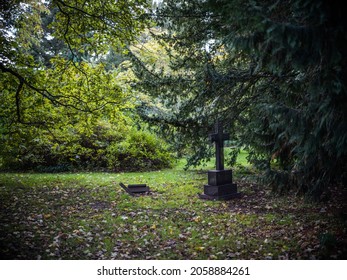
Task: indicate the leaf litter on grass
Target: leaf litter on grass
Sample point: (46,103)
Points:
(87,216)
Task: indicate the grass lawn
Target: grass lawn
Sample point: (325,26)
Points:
(88,216)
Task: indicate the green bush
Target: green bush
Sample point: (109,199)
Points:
(139,151)
(105,147)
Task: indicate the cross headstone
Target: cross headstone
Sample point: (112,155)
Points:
(218,138)
(220,183)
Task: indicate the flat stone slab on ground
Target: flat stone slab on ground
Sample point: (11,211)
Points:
(135,188)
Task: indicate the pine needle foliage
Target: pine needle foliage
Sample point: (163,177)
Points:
(273,71)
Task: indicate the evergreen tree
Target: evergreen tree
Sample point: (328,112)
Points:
(274,71)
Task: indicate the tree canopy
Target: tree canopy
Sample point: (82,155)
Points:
(66,100)
(74,30)
(274,71)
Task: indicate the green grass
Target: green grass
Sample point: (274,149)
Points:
(88,216)
(210,164)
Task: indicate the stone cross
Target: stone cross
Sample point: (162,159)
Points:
(218,138)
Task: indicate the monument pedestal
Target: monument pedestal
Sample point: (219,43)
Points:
(220,186)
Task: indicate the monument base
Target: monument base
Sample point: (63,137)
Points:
(220,198)
(220,186)
(220,177)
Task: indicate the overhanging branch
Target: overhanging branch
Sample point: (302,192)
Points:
(54,99)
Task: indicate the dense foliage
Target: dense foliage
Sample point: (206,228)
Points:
(32,33)
(273,71)
(63,138)
(66,101)
(107,149)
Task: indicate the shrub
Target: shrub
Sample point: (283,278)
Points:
(105,147)
(140,150)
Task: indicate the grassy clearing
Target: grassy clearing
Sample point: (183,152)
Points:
(210,164)
(88,216)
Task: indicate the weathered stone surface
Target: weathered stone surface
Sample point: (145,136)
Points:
(220,177)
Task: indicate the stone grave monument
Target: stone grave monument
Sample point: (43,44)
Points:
(133,190)
(220,182)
